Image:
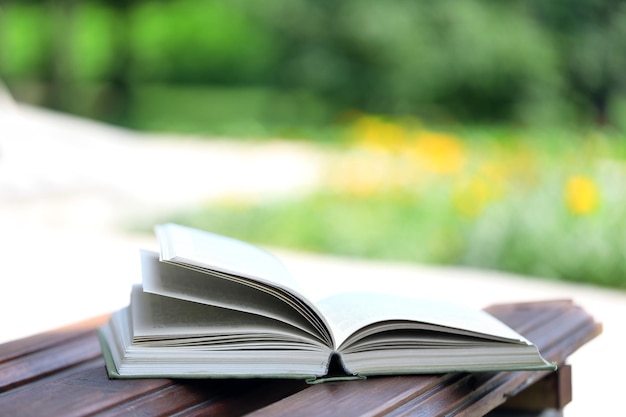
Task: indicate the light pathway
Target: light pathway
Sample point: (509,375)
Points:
(67,183)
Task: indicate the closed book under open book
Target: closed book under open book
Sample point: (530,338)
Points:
(214,307)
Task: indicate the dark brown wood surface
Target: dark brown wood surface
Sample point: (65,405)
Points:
(61,373)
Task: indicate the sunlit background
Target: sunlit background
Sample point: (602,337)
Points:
(471,133)
(456,132)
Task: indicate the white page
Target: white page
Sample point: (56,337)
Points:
(349,312)
(242,358)
(212,251)
(187,284)
(155,316)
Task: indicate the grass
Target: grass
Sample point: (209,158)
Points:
(332,223)
(541,203)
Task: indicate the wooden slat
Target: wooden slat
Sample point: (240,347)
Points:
(62,373)
(558,328)
(371,397)
(524,316)
(242,398)
(166,401)
(78,394)
(228,398)
(554,392)
(48,377)
(165,398)
(557,338)
(25,346)
(25,368)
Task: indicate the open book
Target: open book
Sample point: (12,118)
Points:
(214,307)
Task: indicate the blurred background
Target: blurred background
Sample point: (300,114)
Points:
(426,142)
(467,132)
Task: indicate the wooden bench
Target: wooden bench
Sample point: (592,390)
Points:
(61,373)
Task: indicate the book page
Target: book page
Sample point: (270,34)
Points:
(220,253)
(155,317)
(239,261)
(348,312)
(187,284)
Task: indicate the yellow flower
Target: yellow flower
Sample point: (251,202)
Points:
(378,135)
(439,152)
(581,195)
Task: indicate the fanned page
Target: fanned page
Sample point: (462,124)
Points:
(172,338)
(346,313)
(170,321)
(238,261)
(187,284)
(223,254)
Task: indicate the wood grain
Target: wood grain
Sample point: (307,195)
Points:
(62,373)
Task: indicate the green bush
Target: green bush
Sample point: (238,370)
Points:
(442,56)
(24,41)
(194,41)
(464,60)
(234,111)
(93,43)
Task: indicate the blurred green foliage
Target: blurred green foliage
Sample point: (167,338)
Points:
(24,46)
(523,61)
(516,200)
(240,111)
(91,44)
(196,41)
